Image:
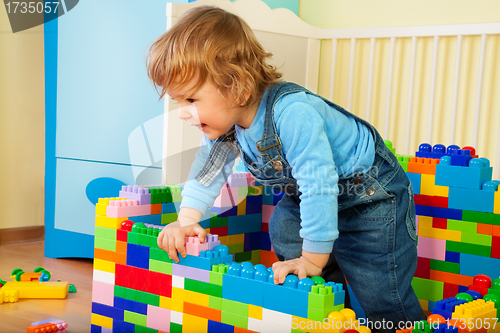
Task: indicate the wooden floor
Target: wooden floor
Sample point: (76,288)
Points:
(75,309)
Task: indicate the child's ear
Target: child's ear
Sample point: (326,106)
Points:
(243,100)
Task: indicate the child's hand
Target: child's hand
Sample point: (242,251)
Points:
(172,238)
(309,264)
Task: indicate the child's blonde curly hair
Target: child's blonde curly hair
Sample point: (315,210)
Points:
(211,43)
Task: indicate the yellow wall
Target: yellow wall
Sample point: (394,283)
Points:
(391,13)
(369,13)
(22,122)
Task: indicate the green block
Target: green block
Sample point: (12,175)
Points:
(428,289)
(479,250)
(445,266)
(160,266)
(160,255)
(321,297)
(241,256)
(147,298)
(119,291)
(236,248)
(487,218)
(243,191)
(318,314)
(234,319)
(203,287)
(175,328)
(462,226)
(168,218)
(141,239)
(134,318)
(235,307)
(142,329)
(255,257)
(105,233)
(216,278)
(478,239)
(105,244)
(160,194)
(403,161)
(130,294)
(216,222)
(215,302)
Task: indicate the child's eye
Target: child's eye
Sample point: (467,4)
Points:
(190,100)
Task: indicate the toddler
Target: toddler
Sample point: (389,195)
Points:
(348,207)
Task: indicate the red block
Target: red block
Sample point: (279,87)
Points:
(265,227)
(431,200)
(121,235)
(439,223)
(160,284)
(450,290)
(221,231)
(495,247)
(423,268)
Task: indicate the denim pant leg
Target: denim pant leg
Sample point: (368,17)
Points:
(377,252)
(284,227)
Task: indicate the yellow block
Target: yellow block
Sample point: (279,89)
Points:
(451,235)
(102,321)
(236,239)
(242,206)
(496,203)
(38,289)
(103,203)
(476,314)
(254,312)
(109,222)
(424,221)
(428,186)
(424,304)
(104,265)
(193,324)
(190,296)
(9,296)
(171,304)
(224,240)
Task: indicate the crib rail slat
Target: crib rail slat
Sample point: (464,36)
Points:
(333,65)
(370,79)
(352,62)
(479,91)
(456,84)
(389,87)
(410,94)
(432,98)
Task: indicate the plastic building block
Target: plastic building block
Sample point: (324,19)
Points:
(38,289)
(134,192)
(474,200)
(458,156)
(126,208)
(446,307)
(478,312)
(422,165)
(471,177)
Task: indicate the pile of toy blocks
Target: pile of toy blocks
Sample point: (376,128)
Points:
(458,220)
(223,285)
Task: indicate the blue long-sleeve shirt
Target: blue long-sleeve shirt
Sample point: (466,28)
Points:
(320,143)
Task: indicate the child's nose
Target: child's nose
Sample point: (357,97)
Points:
(183,113)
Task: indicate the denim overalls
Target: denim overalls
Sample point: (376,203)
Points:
(376,249)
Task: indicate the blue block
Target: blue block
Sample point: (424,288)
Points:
(471,177)
(452,257)
(122,327)
(265,241)
(149,219)
(277,298)
(169,207)
(254,204)
(431,306)
(267,197)
(473,200)
(446,307)
(252,241)
(277,197)
(445,213)
(95,329)
(239,289)
(228,212)
(457,156)
(106,310)
(242,224)
(138,256)
(415,179)
(125,304)
(472,265)
(199,262)
(216,327)
(462,289)
(337,289)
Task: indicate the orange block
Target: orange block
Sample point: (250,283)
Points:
(267,258)
(42,328)
(121,247)
(453,278)
(120,258)
(485,229)
(496,230)
(202,311)
(156,209)
(423,165)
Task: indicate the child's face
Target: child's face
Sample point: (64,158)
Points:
(207,109)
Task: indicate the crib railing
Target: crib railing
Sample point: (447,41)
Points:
(435,84)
